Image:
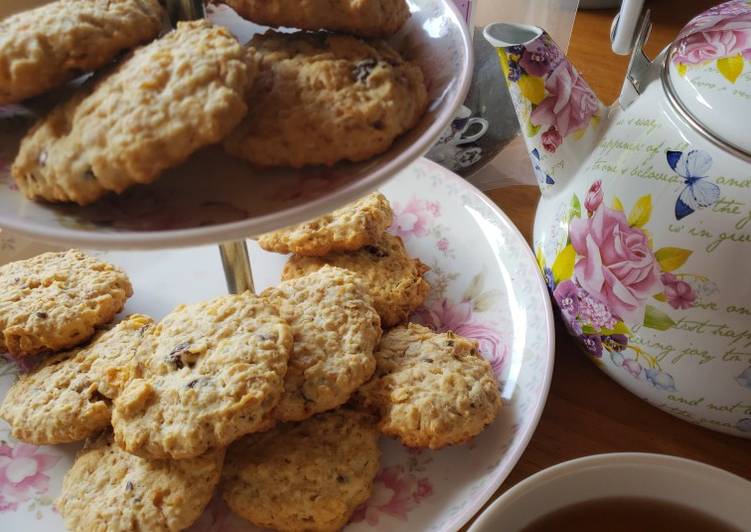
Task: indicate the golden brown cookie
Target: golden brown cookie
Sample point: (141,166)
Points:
(170,98)
(355,225)
(431,389)
(70,396)
(303,476)
(367,18)
(395,280)
(109,490)
(323,98)
(55,301)
(44,47)
(336,329)
(206,374)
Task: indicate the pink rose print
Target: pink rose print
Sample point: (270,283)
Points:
(443,245)
(414,218)
(679,294)
(617,266)
(446,316)
(594,197)
(22,474)
(551,139)
(395,493)
(570,103)
(723,31)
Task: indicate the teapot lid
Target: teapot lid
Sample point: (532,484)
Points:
(708,76)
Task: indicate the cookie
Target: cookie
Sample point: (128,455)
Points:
(303,476)
(69,397)
(47,46)
(395,280)
(206,374)
(321,98)
(54,301)
(431,389)
(177,94)
(336,329)
(353,226)
(109,490)
(366,18)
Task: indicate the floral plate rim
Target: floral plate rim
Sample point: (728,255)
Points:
(515,452)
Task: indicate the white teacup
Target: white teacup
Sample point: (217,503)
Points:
(706,489)
(462,129)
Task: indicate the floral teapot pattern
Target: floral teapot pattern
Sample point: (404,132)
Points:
(643,231)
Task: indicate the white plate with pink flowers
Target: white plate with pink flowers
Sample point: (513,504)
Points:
(486,286)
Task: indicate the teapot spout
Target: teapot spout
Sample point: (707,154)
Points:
(561,118)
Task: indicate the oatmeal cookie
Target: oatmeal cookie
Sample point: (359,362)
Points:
(323,98)
(54,301)
(395,280)
(303,476)
(69,397)
(353,226)
(431,389)
(206,374)
(47,46)
(366,18)
(335,329)
(109,490)
(177,94)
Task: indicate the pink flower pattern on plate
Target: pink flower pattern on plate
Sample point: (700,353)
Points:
(414,218)
(23,474)
(395,493)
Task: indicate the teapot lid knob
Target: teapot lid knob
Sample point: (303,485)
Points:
(623,30)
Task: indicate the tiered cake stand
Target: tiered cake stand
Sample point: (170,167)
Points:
(485,284)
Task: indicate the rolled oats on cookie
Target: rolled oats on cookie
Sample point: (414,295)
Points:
(55,301)
(180,93)
(44,47)
(431,389)
(206,374)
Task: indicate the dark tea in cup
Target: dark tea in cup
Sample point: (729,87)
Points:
(628,514)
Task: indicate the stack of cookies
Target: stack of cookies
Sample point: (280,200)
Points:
(286,99)
(277,399)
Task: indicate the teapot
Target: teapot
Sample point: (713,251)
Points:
(643,230)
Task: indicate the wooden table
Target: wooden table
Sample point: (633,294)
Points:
(587,412)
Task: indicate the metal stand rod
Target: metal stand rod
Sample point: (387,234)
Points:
(184,10)
(236,262)
(235,259)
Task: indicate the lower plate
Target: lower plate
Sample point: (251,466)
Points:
(485,286)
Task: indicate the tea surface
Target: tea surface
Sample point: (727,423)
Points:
(627,514)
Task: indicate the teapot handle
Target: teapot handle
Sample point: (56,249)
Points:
(623,30)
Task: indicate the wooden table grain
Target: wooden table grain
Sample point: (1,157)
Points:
(587,412)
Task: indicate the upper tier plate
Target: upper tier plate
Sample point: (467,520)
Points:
(212,197)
